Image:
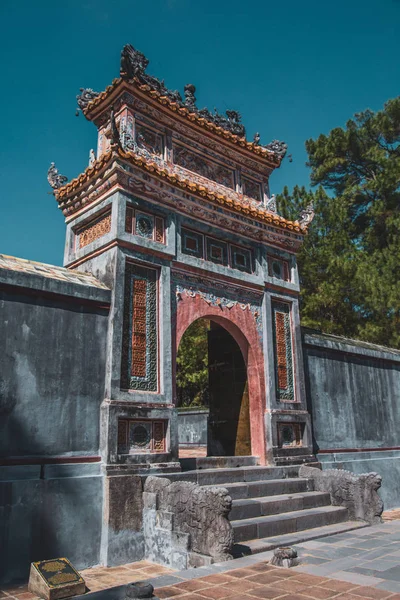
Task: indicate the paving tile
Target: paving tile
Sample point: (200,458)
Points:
(261,567)
(164,580)
(192,585)
(319,593)
(313,560)
(370,592)
(240,596)
(264,593)
(309,579)
(346,596)
(338,586)
(393,573)
(391,586)
(283,572)
(217,592)
(245,572)
(381,564)
(289,585)
(293,597)
(264,578)
(168,592)
(355,578)
(193,597)
(241,586)
(364,571)
(217,579)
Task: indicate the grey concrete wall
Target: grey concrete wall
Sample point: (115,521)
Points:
(51,375)
(353,391)
(47,512)
(192,427)
(52,371)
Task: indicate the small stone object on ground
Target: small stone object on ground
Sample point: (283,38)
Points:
(55,579)
(285,557)
(139,589)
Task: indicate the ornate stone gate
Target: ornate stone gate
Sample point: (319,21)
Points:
(175,215)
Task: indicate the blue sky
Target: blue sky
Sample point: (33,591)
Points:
(292,69)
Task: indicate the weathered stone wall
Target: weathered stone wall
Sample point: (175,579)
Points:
(52,371)
(353,391)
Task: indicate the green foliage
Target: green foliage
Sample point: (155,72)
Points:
(349,261)
(192,365)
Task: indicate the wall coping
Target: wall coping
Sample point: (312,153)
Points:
(344,345)
(23,276)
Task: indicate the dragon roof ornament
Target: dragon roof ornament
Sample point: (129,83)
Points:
(83,99)
(55,179)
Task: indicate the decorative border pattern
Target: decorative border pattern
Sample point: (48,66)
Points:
(217,252)
(278,268)
(145,225)
(216,293)
(94,230)
(148,139)
(159,230)
(141,436)
(241,259)
(284,379)
(289,435)
(195,162)
(139,365)
(251,188)
(192,243)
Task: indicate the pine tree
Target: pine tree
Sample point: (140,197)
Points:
(349,261)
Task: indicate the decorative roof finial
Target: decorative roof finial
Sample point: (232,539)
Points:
(133,62)
(256,139)
(55,180)
(279,148)
(234,124)
(271,204)
(83,99)
(190,100)
(306,215)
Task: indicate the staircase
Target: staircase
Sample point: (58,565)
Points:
(271,506)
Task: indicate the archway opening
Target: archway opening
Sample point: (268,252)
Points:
(212,393)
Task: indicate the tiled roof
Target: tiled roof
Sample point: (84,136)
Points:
(240,205)
(191,116)
(12,263)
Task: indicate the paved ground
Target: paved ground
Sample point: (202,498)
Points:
(192,452)
(369,556)
(98,578)
(359,564)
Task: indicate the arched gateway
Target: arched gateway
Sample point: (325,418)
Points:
(174,214)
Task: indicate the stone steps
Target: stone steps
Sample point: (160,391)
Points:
(289,539)
(290,522)
(269,487)
(271,506)
(248,508)
(218,462)
(225,476)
